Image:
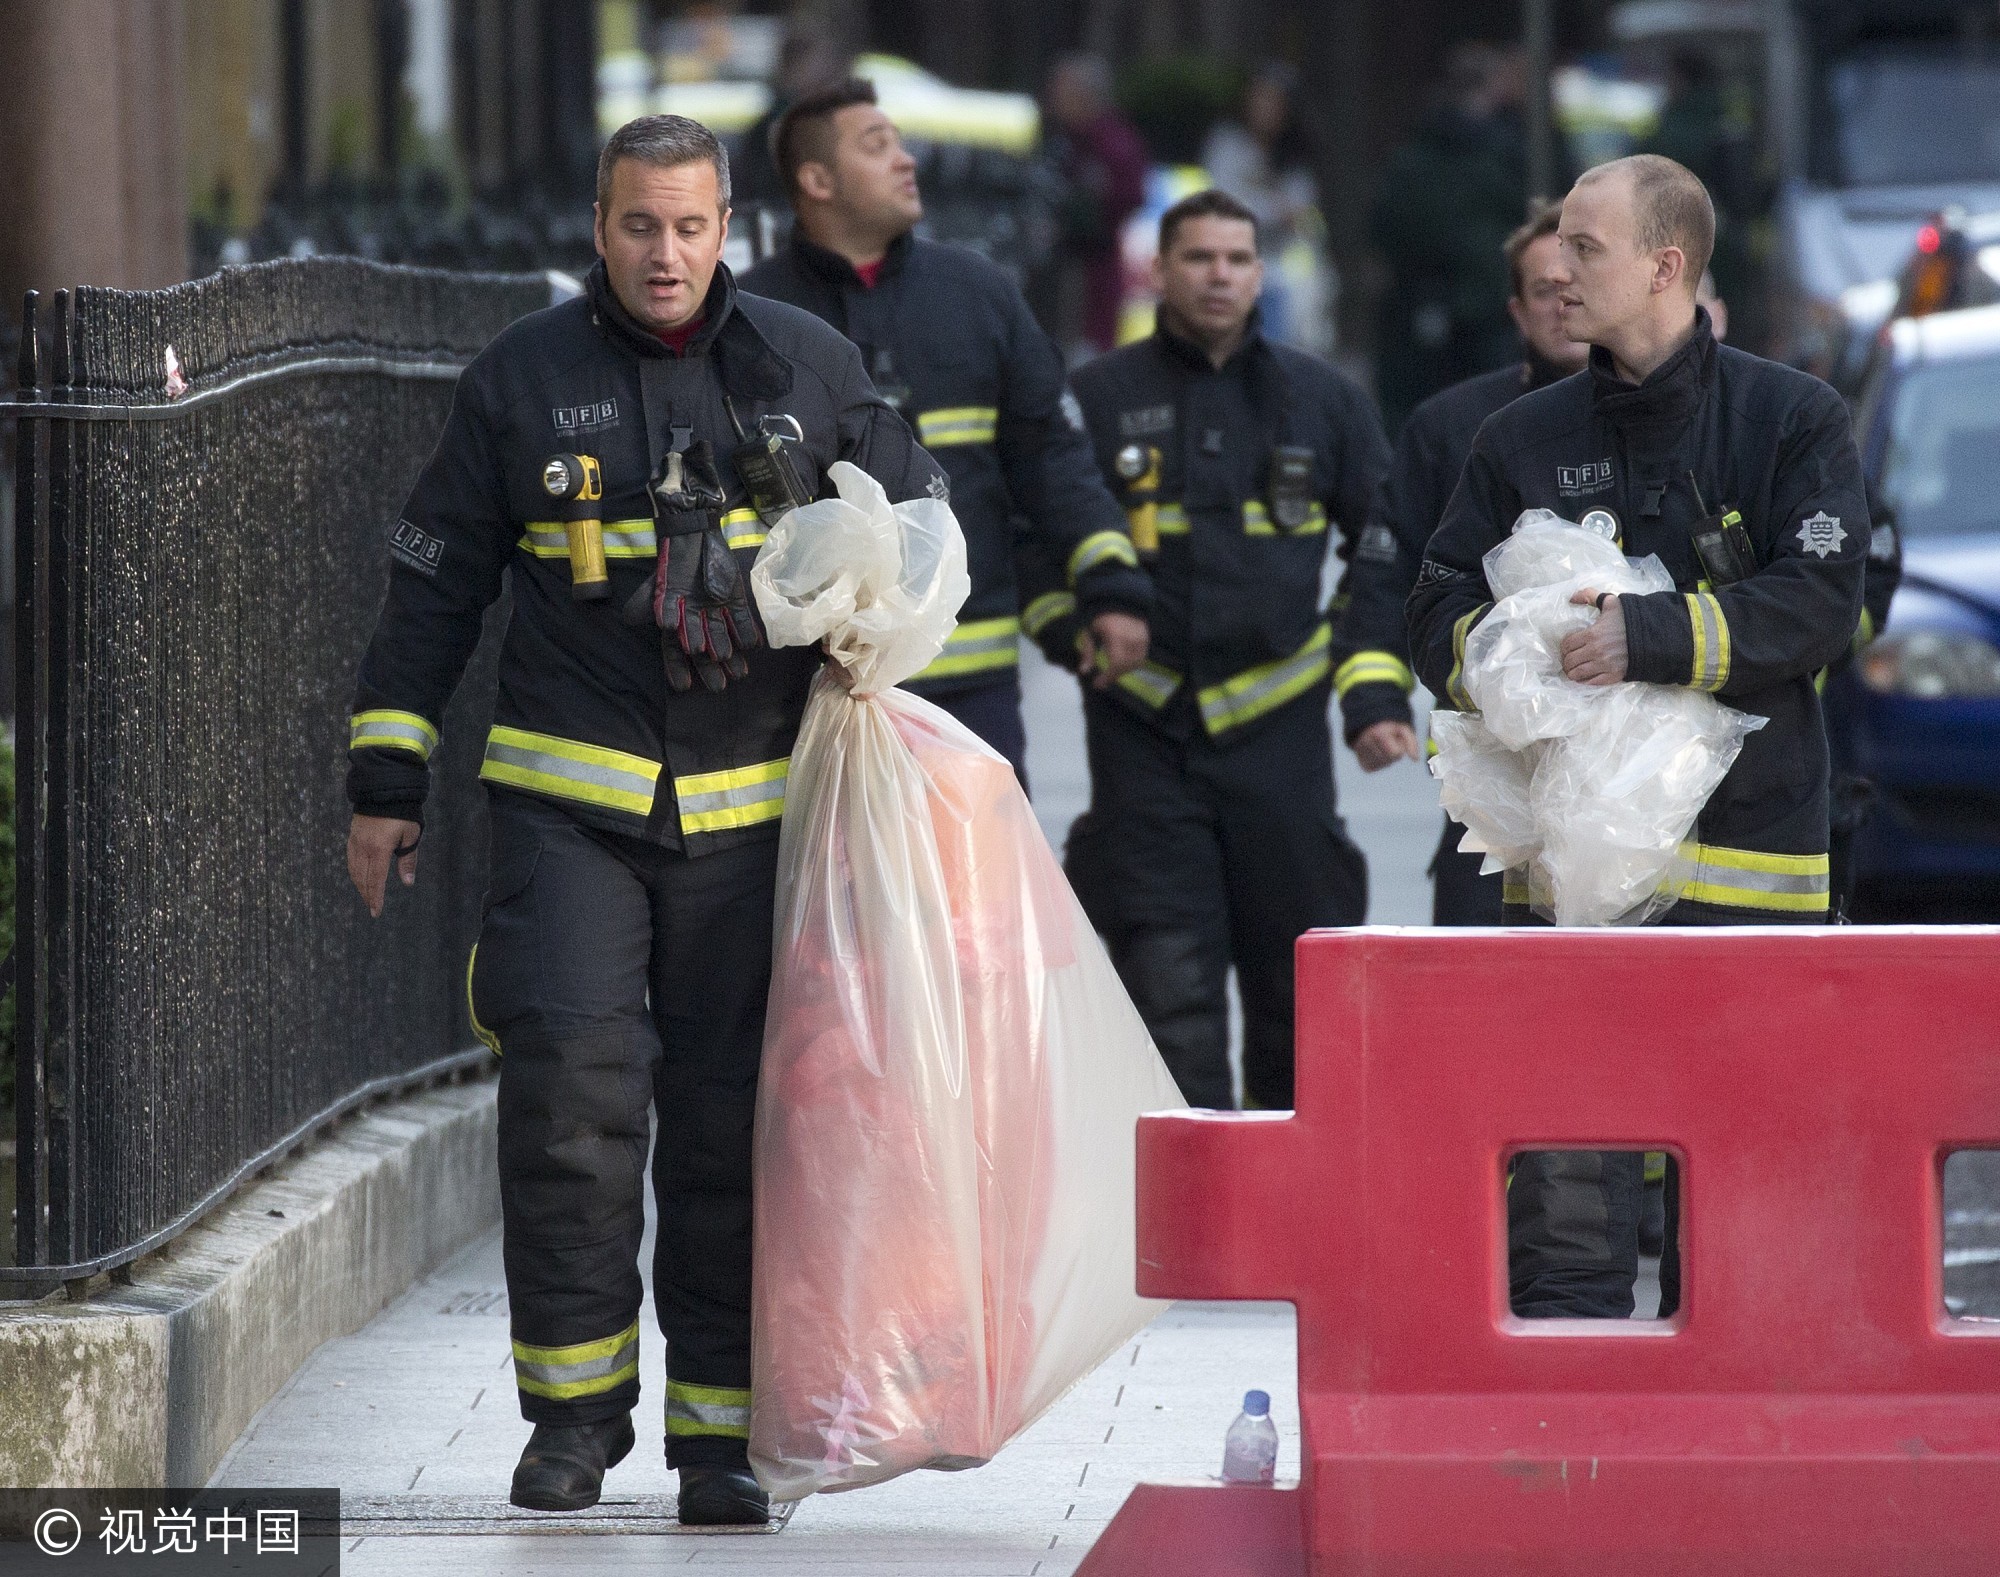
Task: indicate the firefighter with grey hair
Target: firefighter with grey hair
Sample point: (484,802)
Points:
(621,457)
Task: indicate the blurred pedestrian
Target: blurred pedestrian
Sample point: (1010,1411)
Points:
(950,342)
(1373,680)
(1102,160)
(1700,128)
(1262,159)
(1448,199)
(809,59)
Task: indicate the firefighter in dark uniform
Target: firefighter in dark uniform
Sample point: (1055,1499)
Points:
(1211,837)
(1742,476)
(949,340)
(619,458)
(1373,680)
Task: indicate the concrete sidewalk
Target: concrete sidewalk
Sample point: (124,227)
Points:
(414,1418)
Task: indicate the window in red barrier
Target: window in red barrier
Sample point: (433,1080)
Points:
(1590,1234)
(1971,1184)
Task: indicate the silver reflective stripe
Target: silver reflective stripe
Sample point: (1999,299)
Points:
(1256,691)
(594,782)
(1151,683)
(1045,609)
(712,1415)
(574,1373)
(1711,642)
(1099,547)
(628,539)
(737,797)
(743,528)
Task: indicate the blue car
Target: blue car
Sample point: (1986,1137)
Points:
(1918,713)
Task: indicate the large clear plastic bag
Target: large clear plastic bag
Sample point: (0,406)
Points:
(1593,788)
(952,1072)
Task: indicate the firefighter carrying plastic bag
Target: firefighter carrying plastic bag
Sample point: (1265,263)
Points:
(952,1071)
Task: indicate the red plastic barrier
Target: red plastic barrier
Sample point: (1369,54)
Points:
(1811,1410)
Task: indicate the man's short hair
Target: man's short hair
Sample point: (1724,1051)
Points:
(1670,207)
(1543,217)
(1211,204)
(666,142)
(804,133)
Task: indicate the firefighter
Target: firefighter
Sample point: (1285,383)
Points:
(636,776)
(1211,837)
(1373,679)
(949,340)
(1742,476)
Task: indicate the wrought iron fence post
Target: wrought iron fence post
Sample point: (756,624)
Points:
(31,1235)
(55,902)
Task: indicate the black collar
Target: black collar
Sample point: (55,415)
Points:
(1182,349)
(743,358)
(1670,394)
(609,312)
(824,263)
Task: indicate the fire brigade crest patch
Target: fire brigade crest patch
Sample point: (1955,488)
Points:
(1821,534)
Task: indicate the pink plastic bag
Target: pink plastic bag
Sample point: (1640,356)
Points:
(945,1124)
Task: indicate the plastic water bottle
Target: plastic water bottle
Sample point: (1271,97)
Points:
(1250,1449)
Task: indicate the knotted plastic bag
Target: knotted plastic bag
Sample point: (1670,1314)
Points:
(1593,788)
(952,1072)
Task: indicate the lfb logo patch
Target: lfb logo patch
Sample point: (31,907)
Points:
(585,418)
(1575,480)
(1821,534)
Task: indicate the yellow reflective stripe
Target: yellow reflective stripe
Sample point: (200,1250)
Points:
(584,1369)
(1151,683)
(623,539)
(1101,547)
(1257,691)
(1045,610)
(1711,642)
(570,769)
(1455,684)
(977,647)
(964,424)
(744,528)
(492,1041)
(1257,521)
(732,798)
(392,731)
(1172,521)
(708,1410)
(1751,879)
(1373,668)
(1864,632)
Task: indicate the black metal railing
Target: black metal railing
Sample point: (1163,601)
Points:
(204,476)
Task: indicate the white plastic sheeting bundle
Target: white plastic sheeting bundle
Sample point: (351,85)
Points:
(1593,788)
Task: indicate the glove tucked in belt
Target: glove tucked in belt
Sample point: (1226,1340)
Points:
(698,597)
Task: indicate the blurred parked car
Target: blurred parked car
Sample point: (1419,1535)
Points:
(1919,713)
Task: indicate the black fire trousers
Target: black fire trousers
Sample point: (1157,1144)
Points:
(1459,894)
(1197,855)
(617,976)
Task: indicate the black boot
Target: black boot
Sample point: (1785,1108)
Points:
(563,1467)
(722,1497)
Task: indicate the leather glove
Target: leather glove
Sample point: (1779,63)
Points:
(698,598)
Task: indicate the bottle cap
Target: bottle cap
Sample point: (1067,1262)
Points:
(1257,1403)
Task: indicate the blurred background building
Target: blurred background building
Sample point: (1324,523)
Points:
(1388,148)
